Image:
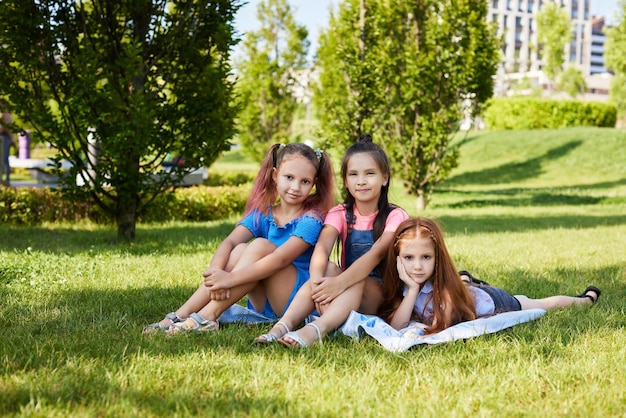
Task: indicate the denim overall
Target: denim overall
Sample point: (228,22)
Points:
(358,243)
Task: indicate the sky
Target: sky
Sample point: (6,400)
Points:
(314,14)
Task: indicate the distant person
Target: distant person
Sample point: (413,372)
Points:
(267,255)
(421,283)
(7,143)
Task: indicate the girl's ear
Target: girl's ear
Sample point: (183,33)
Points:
(274,174)
(385,179)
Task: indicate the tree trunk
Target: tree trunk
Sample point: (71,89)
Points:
(126,221)
(420,203)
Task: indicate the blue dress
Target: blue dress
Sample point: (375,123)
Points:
(306,227)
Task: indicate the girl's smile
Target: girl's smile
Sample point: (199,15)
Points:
(364,178)
(294,179)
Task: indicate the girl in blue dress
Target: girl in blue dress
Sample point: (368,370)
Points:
(267,255)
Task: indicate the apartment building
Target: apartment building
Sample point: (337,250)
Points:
(516,21)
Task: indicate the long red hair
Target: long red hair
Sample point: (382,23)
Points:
(448,288)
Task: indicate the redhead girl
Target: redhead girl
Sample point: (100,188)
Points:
(364,226)
(421,283)
(267,255)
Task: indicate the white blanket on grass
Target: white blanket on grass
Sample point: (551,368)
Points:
(359,324)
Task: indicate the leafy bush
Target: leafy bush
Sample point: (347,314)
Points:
(34,206)
(198,204)
(229,178)
(536,113)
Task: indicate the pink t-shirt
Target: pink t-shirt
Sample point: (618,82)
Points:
(337,219)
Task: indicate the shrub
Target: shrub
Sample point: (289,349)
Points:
(229,178)
(198,204)
(34,206)
(537,113)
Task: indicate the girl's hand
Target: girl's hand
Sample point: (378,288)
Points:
(219,294)
(328,290)
(404,276)
(216,279)
(316,282)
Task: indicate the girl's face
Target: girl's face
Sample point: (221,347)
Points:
(364,178)
(294,179)
(418,258)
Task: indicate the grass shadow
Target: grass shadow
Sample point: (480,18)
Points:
(513,172)
(479,224)
(150,239)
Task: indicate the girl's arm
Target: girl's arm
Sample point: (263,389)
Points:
(357,272)
(403,313)
(321,253)
(275,261)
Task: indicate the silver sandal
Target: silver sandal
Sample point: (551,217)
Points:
(269,337)
(152,328)
(301,343)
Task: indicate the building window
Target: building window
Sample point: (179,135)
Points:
(494,3)
(530,6)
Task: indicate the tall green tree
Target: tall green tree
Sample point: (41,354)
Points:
(349,86)
(426,62)
(270,74)
(554,31)
(442,63)
(145,77)
(615,59)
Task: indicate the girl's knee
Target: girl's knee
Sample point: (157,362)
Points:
(260,245)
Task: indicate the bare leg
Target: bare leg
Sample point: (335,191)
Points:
(301,306)
(553,302)
(256,250)
(335,314)
(372,297)
(201,297)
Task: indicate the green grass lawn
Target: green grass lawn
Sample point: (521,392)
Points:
(534,212)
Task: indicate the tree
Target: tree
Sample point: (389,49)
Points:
(142,78)
(554,31)
(572,82)
(425,61)
(349,77)
(615,59)
(274,58)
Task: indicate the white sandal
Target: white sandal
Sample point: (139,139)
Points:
(301,343)
(271,338)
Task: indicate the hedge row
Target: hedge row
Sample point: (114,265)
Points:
(35,206)
(537,113)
